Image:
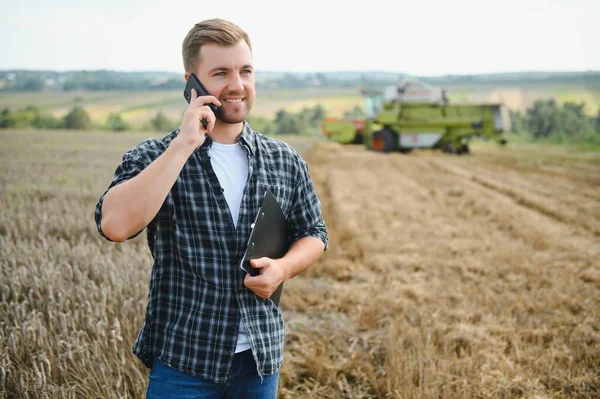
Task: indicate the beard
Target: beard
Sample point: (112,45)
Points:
(236,115)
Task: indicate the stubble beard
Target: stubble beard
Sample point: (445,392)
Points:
(237,117)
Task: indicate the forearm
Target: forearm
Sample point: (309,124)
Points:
(303,254)
(130,206)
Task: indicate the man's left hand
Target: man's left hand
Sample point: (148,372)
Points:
(272,274)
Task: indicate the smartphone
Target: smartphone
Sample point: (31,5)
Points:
(194,83)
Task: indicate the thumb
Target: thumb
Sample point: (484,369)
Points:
(258,263)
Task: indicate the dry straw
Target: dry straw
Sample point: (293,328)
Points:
(447,277)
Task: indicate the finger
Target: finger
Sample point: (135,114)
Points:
(203,100)
(260,291)
(255,285)
(260,262)
(211,121)
(210,118)
(253,282)
(194,95)
(206,114)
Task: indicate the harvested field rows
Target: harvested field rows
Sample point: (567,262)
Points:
(474,276)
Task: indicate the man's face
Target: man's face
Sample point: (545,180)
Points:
(228,74)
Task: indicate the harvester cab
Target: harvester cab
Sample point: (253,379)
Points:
(415,114)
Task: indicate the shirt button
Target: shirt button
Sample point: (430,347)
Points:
(222,190)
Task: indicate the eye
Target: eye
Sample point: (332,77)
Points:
(247,71)
(219,74)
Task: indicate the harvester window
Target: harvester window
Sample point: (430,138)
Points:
(373,104)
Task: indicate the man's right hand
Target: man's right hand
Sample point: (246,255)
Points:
(192,131)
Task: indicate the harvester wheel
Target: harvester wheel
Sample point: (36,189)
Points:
(449,148)
(384,140)
(464,149)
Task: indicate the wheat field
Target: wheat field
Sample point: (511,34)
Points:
(447,277)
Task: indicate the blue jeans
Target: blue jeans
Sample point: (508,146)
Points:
(166,382)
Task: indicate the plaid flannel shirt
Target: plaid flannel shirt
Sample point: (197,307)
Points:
(197,294)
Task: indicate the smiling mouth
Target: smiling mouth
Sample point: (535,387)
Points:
(233,100)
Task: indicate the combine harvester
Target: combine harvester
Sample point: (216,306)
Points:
(414,114)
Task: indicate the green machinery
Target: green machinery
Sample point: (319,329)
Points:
(414,114)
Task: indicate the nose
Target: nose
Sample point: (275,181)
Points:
(235,84)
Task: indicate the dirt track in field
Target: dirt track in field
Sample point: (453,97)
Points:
(451,276)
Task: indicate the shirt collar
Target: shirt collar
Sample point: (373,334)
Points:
(247,139)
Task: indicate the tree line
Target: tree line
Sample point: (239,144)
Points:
(77,118)
(304,122)
(548,121)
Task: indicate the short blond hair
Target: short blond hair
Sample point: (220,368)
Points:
(214,30)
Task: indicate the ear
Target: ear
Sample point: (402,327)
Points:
(186,76)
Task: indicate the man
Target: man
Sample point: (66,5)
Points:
(210,328)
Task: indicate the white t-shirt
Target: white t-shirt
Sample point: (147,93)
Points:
(230,163)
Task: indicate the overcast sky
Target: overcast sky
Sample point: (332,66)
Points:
(418,37)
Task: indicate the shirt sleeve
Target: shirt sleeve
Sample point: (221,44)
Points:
(131,165)
(305,218)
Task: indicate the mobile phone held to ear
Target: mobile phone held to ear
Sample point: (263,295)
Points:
(194,83)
